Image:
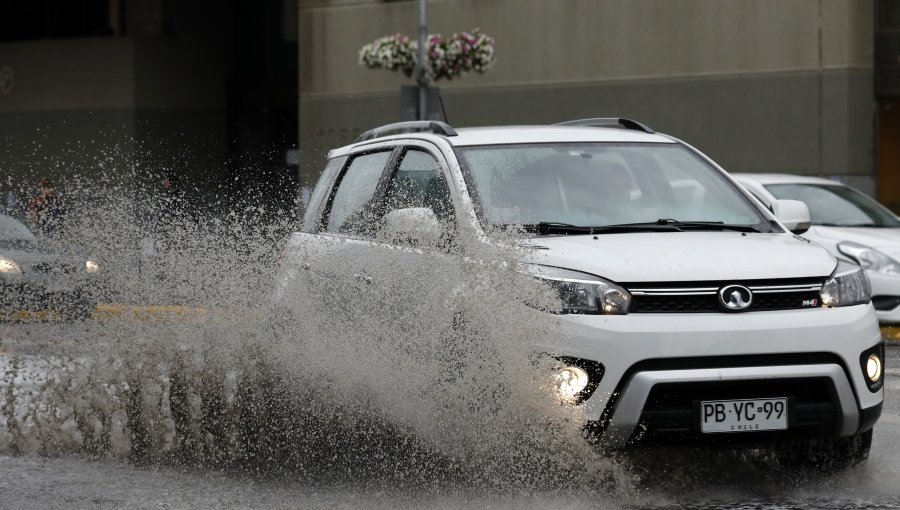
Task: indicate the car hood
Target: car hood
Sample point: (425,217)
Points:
(682,256)
(884,239)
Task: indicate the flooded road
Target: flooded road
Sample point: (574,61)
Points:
(63,476)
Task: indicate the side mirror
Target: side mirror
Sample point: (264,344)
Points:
(794,214)
(418,226)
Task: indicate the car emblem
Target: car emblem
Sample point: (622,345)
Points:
(735,298)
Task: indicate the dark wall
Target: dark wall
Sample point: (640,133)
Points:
(203,89)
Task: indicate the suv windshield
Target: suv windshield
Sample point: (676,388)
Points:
(836,206)
(601,185)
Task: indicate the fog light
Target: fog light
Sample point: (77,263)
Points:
(91,267)
(873,368)
(571,381)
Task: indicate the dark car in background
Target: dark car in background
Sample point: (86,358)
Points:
(34,276)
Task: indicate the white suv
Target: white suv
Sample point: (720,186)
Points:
(686,311)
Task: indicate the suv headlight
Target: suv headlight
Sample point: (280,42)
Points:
(583,293)
(847,286)
(870,259)
(9,266)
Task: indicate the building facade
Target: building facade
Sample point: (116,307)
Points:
(219,91)
(760,86)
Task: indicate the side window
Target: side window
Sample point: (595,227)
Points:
(418,187)
(353,203)
(314,206)
(419,182)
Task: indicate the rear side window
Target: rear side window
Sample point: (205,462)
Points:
(353,202)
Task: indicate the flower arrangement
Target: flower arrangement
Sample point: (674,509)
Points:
(447,58)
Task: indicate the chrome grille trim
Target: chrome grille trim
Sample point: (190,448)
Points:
(706,291)
(786,288)
(672,292)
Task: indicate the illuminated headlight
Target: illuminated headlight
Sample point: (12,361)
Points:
(570,381)
(583,293)
(9,266)
(870,259)
(91,267)
(847,286)
(874,368)
(872,363)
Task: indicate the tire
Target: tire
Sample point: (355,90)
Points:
(829,455)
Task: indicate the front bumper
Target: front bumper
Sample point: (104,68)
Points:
(747,352)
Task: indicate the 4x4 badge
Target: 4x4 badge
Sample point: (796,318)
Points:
(735,298)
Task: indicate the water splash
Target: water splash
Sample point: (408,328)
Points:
(426,379)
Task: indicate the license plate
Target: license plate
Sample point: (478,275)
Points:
(743,415)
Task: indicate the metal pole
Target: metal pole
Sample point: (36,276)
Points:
(422,77)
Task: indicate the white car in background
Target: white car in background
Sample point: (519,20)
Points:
(849,224)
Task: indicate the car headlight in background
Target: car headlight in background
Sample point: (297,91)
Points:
(870,259)
(9,266)
(583,293)
(847,286)
(91,267)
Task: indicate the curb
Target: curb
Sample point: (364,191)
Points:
(21,316)
(151,312)
(116,311)
(891,335)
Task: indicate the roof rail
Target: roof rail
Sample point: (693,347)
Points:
(609,121)
(414,126)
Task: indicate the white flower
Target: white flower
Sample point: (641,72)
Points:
(447,58)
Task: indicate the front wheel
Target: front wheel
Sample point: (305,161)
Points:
(828,455)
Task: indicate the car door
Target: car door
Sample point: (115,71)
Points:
(325,270)
(403,269)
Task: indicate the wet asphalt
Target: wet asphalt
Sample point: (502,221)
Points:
(75,482)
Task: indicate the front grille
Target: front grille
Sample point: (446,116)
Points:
(710,303)
(697,297)
(670,413)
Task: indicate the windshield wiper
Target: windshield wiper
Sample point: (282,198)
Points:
(548,227)
(707,225)
(661,225)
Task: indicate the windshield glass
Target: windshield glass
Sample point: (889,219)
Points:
(836,205)
(601,184)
